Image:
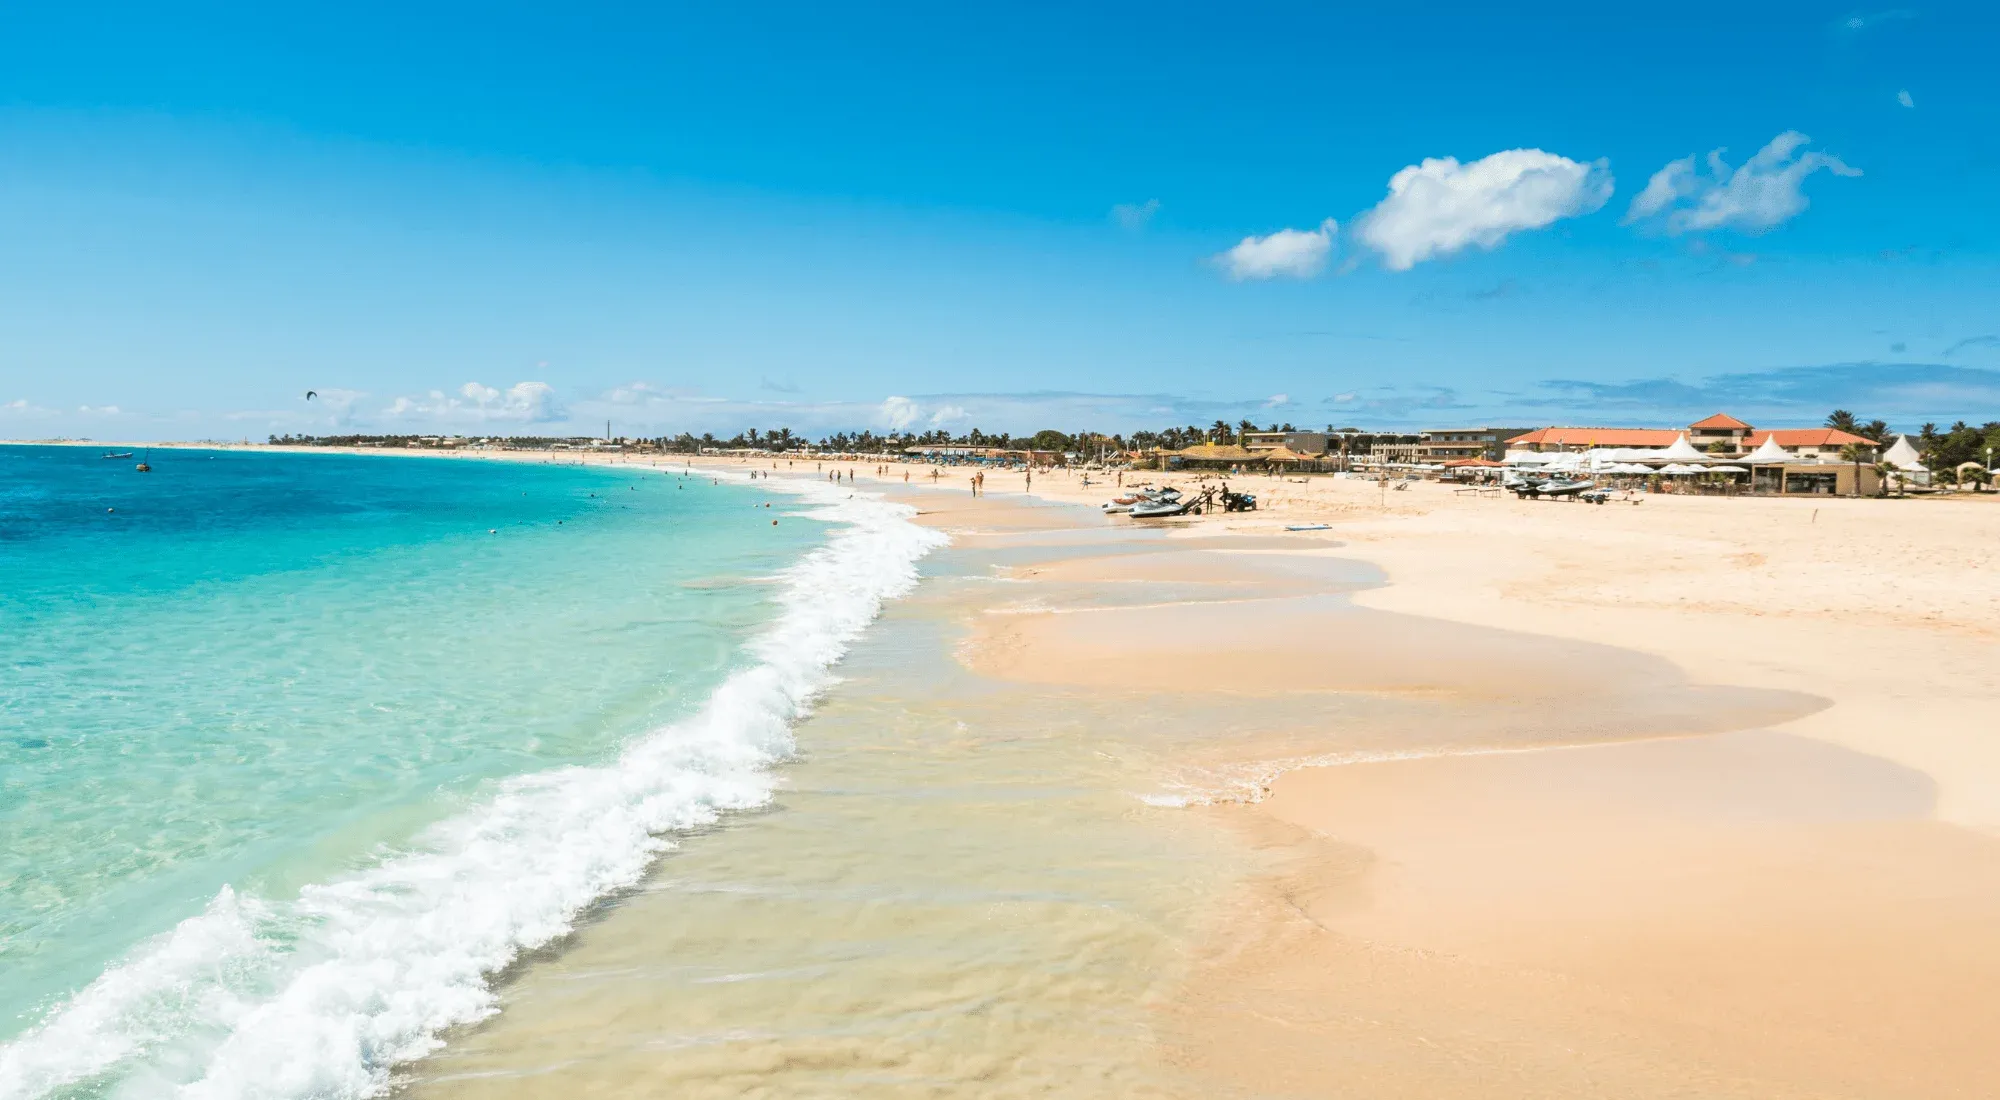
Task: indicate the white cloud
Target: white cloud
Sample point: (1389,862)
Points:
(1440,206)
(636,393)
(523,403)
(1767,191)
(899,413)
(1297,253)
(1278,399)
(948,414)
(98,410)
(1667,185)
(1903,97)
(1135,215)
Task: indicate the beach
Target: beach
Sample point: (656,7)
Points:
(1775,905)
(1460,796)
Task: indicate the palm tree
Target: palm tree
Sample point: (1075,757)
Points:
(1243,429)
(1842,420)
(1219,432)
(1855,452)
(1886,472)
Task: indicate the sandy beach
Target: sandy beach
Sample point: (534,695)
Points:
(1694,797)
(1765,904)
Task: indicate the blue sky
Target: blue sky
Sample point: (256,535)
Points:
(516,218)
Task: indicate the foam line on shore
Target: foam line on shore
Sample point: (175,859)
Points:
(1251,783)
(325,994)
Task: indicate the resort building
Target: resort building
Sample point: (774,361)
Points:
(1720,434)
(1584,439)
(1448,444)
(1826,443)
(1305,443)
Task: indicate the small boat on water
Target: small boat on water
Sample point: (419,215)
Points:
(142,467)
(120,454)
(1308,527)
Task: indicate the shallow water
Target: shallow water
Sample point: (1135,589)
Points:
(241,676)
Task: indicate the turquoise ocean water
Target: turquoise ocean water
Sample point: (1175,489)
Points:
(295,750)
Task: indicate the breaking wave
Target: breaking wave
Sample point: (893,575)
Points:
(325,994)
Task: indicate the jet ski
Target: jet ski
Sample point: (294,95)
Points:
(1128,501)
(1564,487)
(1164,506)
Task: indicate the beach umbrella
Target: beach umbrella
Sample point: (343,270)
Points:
(1727,470)
(1681,449)
(1768,453)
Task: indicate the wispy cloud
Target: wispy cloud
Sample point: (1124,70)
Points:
(1988,341)
(1134,215)
(1903,97)
(1902,392)
(1398,406)
(1440,206)
(1861,21)
(1765,192)
(1291,253)
(521,403)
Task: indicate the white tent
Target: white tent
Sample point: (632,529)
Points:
(1679,469)
(1682,451)
(1903,456)
(1768,453)
(1727,470)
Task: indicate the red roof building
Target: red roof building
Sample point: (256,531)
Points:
(1557,439)
(1719,420)
(1718,434)
(1812,441)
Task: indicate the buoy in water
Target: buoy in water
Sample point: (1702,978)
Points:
(774,523)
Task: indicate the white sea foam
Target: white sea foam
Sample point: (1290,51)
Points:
(1250,782)
(324,995)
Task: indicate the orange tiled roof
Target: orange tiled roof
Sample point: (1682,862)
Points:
(1810,437)
(1719,420)
(1598,437)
